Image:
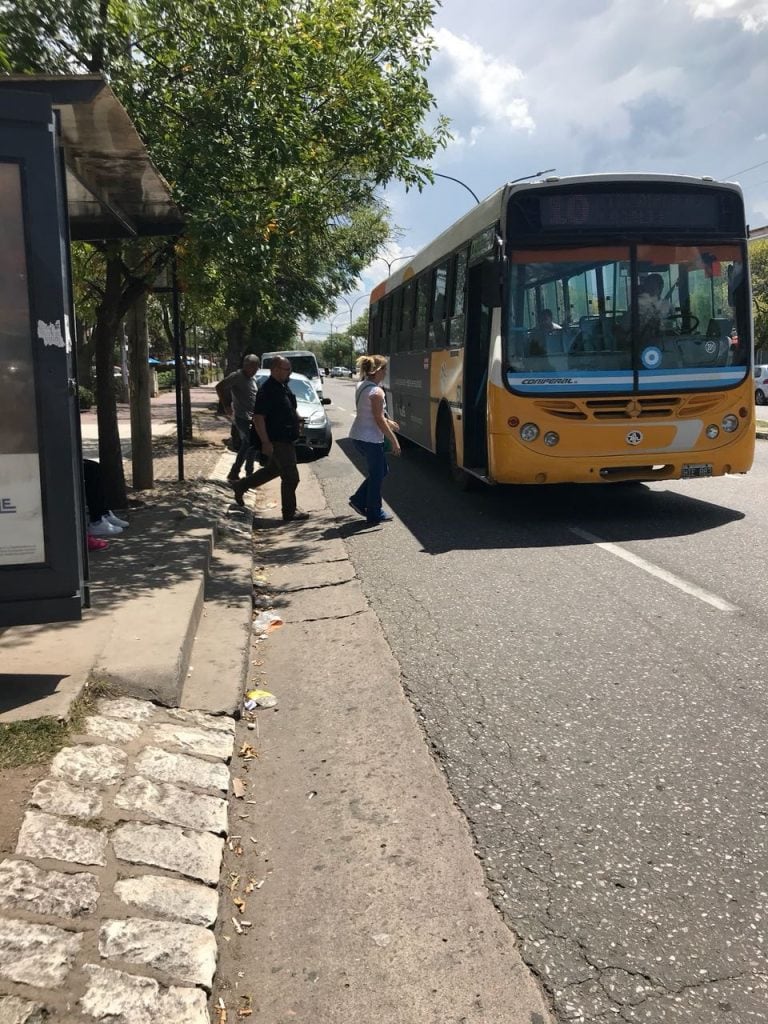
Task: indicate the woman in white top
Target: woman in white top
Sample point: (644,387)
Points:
(370,428)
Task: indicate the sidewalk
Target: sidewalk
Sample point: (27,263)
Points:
(348,889)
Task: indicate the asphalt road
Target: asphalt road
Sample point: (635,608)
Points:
(589,665)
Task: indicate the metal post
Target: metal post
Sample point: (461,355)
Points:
(177,363)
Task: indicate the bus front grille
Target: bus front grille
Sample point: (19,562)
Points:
(632,408)
(564,409)
(611,408)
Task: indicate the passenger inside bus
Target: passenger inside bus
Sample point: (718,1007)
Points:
(547,336)
(652,307)
(659,315)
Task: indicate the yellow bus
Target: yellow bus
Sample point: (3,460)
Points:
(578,330)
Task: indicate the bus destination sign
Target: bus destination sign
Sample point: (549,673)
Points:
(630,210)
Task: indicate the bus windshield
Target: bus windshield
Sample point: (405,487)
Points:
(629,316)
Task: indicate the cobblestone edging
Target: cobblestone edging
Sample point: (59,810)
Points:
(107,906)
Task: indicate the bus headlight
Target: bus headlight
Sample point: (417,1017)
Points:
(529,431)
(730,423)
(551,438)
(712,431)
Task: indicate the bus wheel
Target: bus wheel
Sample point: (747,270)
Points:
(464,481)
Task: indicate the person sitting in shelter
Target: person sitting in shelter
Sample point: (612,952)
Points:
(102,521)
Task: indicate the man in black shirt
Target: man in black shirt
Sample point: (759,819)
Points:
(276,422)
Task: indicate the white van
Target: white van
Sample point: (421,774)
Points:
(301,362)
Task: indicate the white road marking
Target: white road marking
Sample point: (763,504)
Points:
(655,570)
(340,409)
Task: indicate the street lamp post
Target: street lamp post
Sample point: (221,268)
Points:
(458,182)
(334,354)
(525,177)
(393,260)
(354,303)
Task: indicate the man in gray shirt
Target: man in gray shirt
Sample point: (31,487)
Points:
(238,393)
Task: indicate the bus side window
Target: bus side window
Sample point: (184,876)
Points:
(405,343)
(397,320)
(374,327)
(386,336)
(458,298)
(439,307)
(420,324)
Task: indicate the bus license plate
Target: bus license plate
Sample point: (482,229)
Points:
(694,469)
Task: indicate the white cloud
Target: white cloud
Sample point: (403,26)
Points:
(459,143)
(753,14)
(486,86)
(602,85)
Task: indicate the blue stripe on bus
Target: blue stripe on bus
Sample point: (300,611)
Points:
(622,381)
(705,377)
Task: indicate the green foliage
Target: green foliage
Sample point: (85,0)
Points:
(37,740)
(359,329)
(31,742)
(85,397)
(758,256)
(166,380)
(275,123)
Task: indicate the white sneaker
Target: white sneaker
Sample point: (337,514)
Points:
(115,520)
(102,528)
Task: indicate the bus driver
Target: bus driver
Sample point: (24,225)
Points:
(650,304)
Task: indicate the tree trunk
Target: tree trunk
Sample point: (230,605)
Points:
(84,338)
(141,390)
(235,345)
(235,332)
(104,336)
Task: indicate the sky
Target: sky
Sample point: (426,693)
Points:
(673,86)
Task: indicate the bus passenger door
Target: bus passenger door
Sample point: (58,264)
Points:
(476,352)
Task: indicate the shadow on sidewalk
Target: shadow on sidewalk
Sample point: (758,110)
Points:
(169,541)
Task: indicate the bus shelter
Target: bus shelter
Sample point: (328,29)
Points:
(72,167)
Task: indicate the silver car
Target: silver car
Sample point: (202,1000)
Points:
(761,384)
(316,439)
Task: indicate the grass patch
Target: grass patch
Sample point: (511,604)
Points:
(31,742)
(38,740)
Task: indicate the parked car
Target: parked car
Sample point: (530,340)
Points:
(301,362)
(341,371)
(761,384)
(317,438)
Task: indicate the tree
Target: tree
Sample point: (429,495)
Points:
(758,256)
(276,125)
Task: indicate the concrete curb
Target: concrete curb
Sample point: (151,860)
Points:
(218,671)
(183,558)
(374,905)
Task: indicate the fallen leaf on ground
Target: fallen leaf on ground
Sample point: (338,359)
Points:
(238,788)
(239,903)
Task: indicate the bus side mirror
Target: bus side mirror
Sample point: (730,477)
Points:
(490,284)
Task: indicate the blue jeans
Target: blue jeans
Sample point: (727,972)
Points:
(368,494)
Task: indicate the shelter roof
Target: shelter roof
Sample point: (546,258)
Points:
(113,188)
